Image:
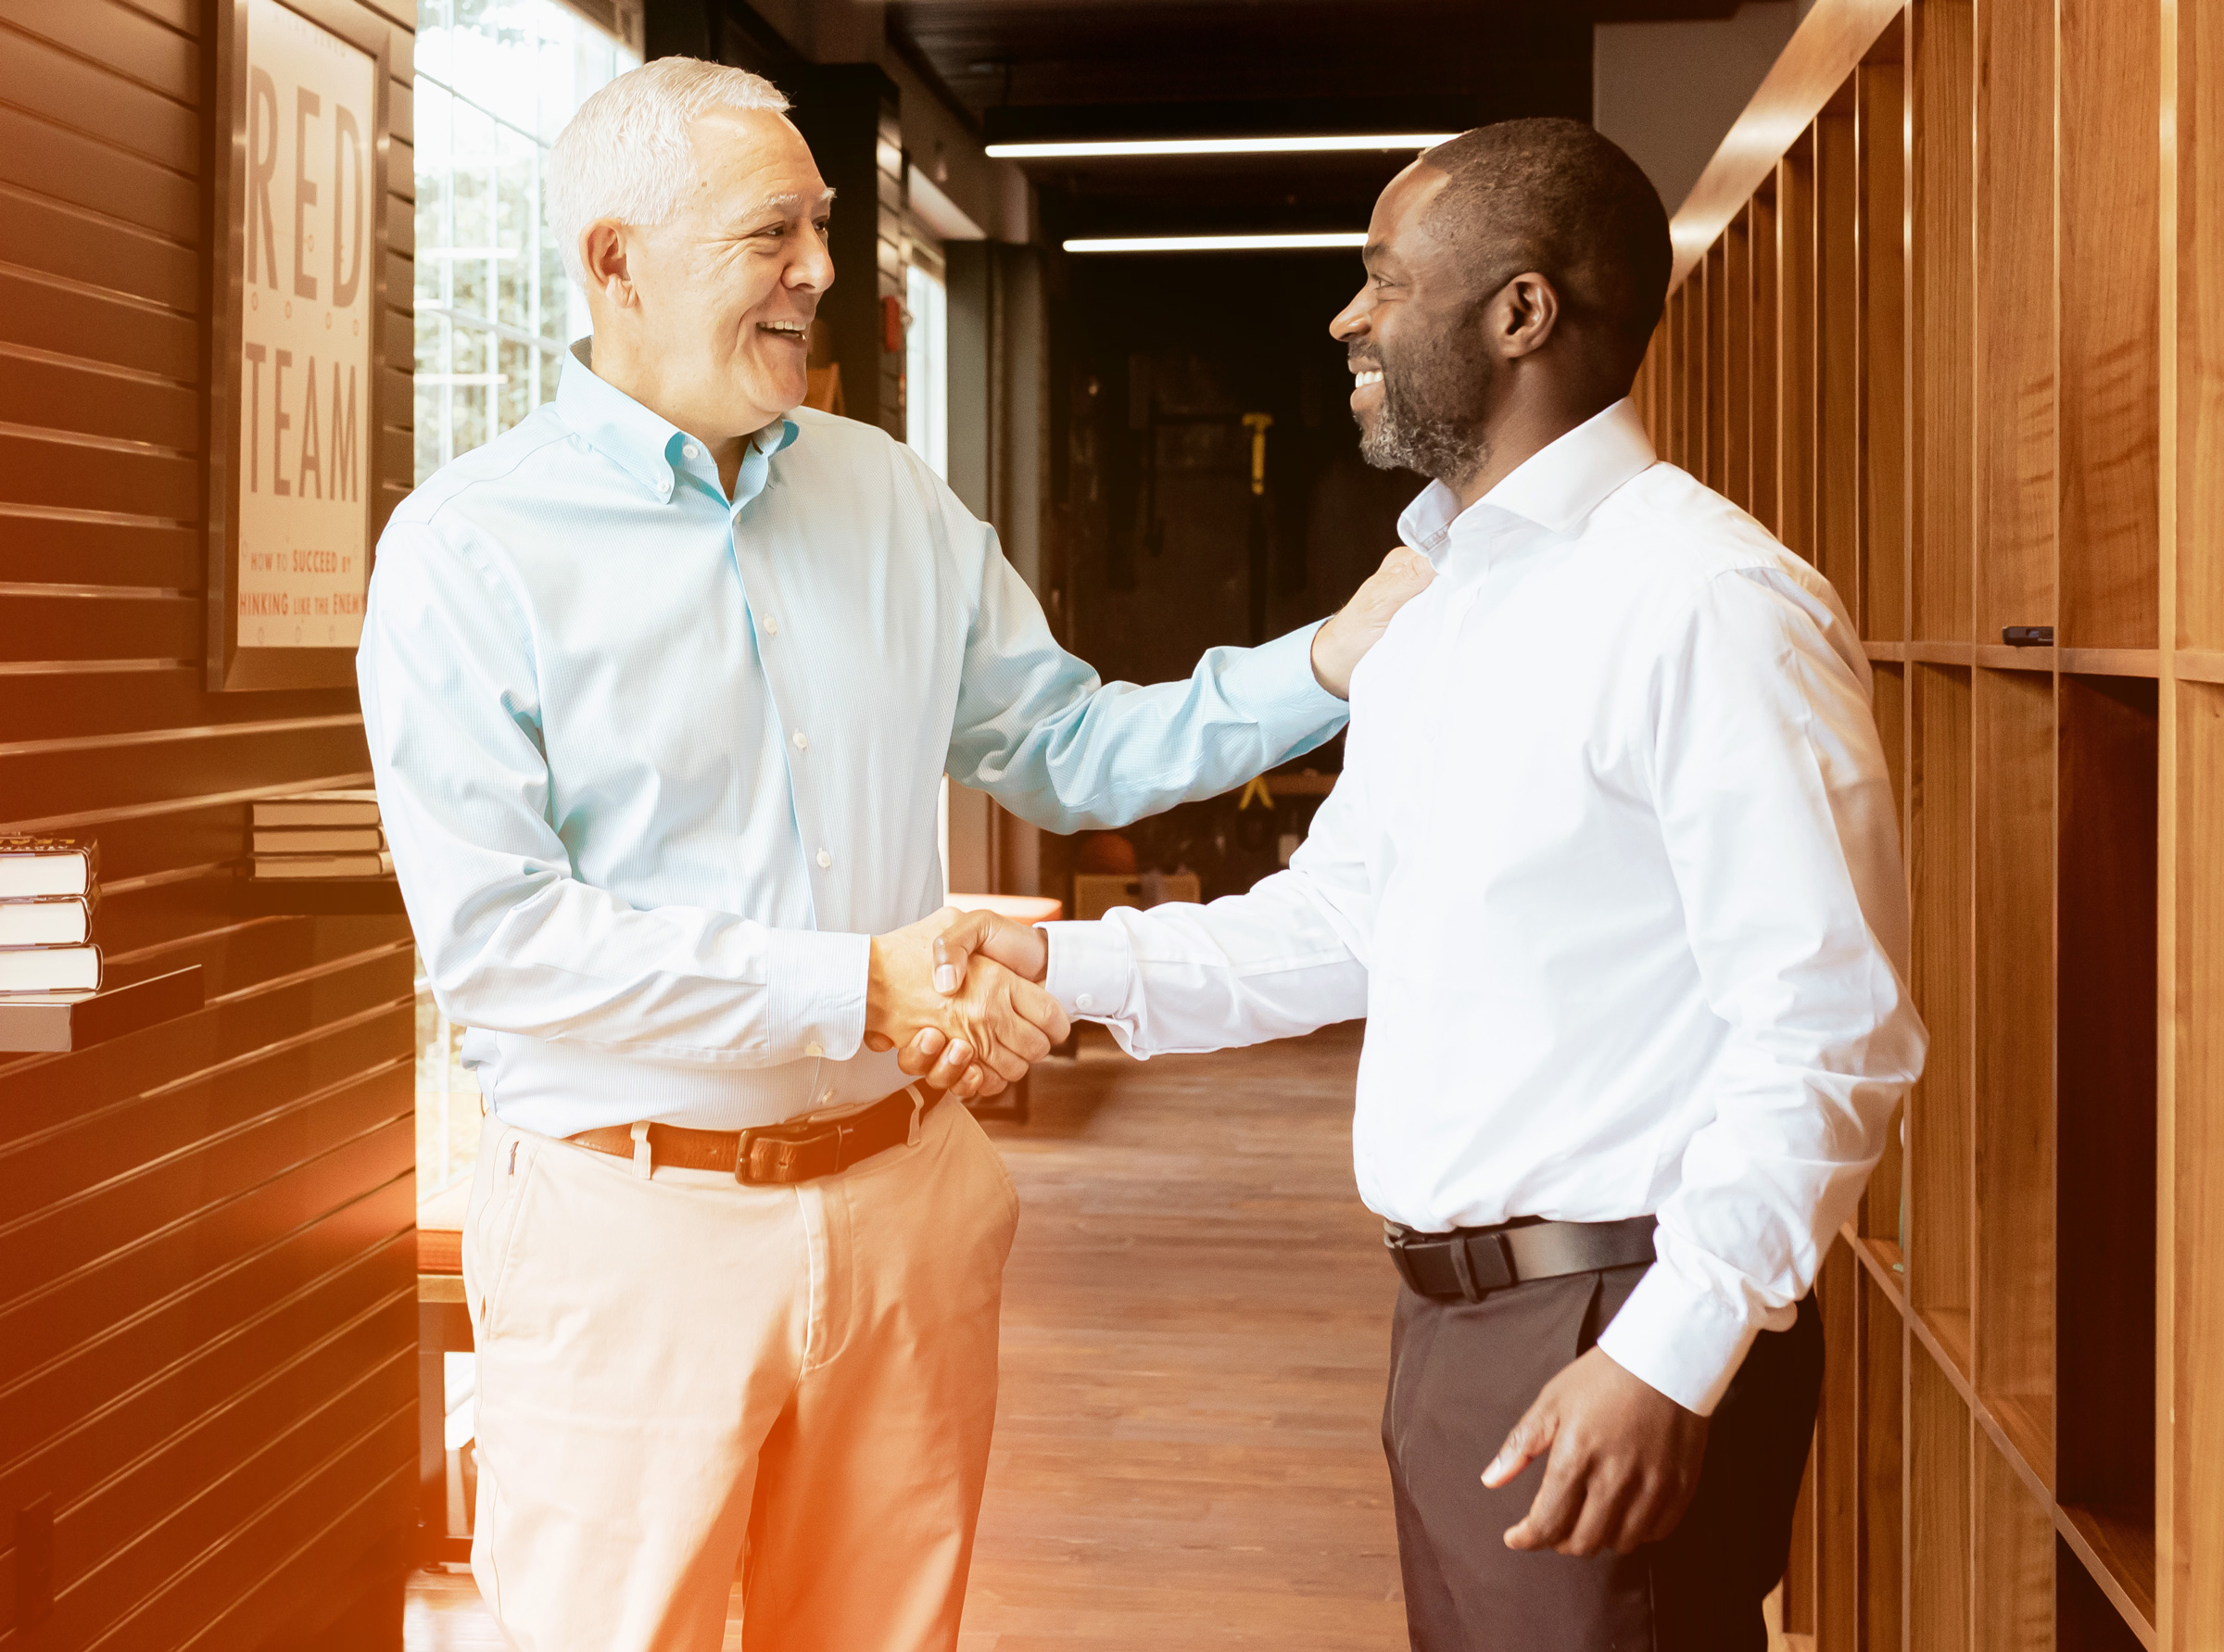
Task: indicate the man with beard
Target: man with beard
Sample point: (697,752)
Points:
(1612,872)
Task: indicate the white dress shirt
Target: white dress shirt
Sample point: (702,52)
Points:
(655,762)
(1613,872)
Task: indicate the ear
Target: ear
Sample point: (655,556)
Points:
(603,251)
(1523,316)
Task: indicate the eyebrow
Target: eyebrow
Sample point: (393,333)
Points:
(785,203)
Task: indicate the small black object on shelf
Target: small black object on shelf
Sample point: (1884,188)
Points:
(2029,636)
(320,897)
(48,1023)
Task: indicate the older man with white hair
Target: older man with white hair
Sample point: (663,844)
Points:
(659,687)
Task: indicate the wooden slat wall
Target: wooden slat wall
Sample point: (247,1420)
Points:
(1994,365)
(207,1275)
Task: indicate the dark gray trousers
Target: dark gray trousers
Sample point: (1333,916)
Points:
(1461,1375)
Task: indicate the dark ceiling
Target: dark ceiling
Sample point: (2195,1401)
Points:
(1082,69)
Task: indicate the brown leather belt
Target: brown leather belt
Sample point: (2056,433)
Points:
(771,1154)
(1472,1262)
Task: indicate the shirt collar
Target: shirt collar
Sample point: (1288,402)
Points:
(647,447)
(1555,488)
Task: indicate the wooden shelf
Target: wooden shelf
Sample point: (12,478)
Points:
(1999,656)
(78,1021)
(320,897)
(2120,1555)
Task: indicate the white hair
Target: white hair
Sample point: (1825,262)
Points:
(627,155)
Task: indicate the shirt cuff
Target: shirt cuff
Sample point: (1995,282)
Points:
(814,994)
(1274,683)
(1092,969)
(1684,1341)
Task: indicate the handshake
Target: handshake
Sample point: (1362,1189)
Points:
(960,993)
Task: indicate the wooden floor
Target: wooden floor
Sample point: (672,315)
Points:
(1195,1329)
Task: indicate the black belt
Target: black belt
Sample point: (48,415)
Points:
(1472,1262)
(800,1150)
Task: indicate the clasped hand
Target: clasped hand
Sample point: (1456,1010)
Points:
(968,1023)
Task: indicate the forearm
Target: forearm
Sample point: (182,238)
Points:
(553,958)
(1063,752)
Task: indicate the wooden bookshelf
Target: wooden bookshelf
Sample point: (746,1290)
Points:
(1948,317)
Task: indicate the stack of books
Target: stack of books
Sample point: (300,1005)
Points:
(320,834)
(48,888)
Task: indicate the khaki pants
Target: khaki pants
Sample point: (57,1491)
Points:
(677,1373)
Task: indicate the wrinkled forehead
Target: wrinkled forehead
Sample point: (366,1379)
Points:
(754,162)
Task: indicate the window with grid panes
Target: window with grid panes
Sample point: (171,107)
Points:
(497,80)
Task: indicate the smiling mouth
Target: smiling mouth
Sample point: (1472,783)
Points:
(793,330)
(1372,376)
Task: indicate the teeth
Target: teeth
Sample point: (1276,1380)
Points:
(792,329)
(1360,381)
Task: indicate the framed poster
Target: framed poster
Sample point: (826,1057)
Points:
(296,338)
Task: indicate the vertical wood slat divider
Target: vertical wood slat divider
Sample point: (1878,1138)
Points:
(2111,341)
(1738,361)
(2012,1543)
(2037,359)
(1716,396)
(1835,1618)
(1838,274)
(1795,366)
(1695,375)
(1768,341)
(2190,1402)
(1939,1594)
(1940,849)
(2016,328)
(1943,77)
(2105,1107)
(1882,85)
(2013,1134)
(1881,1586)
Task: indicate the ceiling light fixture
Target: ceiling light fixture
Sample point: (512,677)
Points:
(1129,147)
(1215,242)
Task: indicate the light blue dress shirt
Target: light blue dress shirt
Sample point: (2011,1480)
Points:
(654,765)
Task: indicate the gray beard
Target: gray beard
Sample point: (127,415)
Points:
(1433,447)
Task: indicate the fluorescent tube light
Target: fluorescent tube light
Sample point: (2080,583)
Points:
(1085,150)
(1214,243)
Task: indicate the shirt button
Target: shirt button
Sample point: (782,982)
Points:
(1083,1001)
(824,860)
(772,627)
(690,452)
(664,485)
(803,740)
(812,1051)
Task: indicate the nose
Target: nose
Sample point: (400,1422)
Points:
(1350,322)
(813,270)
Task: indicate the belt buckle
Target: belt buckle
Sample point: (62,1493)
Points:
(782,1155)
(1481,1264)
